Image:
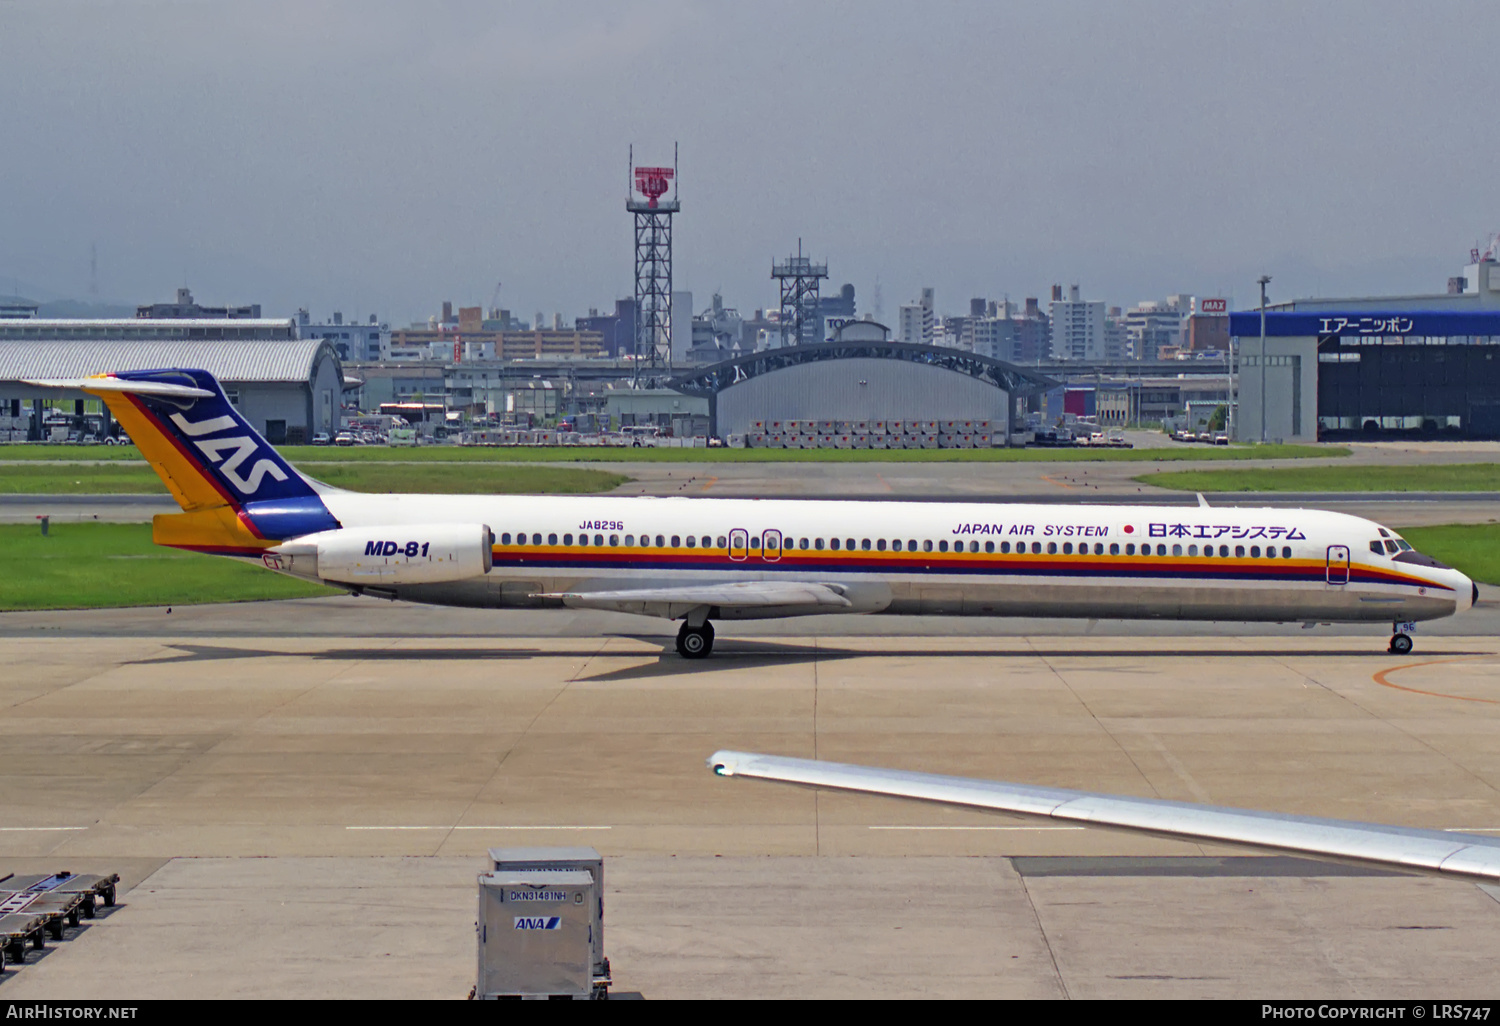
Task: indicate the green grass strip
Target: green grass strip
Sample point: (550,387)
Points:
(1431,477)
(86,566)
(439,478)
(1471,548)
(610,454)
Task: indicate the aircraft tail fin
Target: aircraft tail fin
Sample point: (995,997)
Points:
(205,452)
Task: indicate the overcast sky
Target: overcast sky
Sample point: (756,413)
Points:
(382,157)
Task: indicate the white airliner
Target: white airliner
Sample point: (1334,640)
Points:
(699,560)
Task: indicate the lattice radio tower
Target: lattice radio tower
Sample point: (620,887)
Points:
(799,278)
(653,265)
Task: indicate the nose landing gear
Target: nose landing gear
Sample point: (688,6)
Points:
(1401,638)
(695,642)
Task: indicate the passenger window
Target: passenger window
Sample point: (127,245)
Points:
(505,538)
(834,544)
(1286,552)
(1036,548)
(1255,551)
(879,544)
(583,539)
(598,539)
(614,539)
(630,541)
(849,544)
(943,546)
(661,542)
(1176,550)
(1192,550)
(1130,548)
(818,544)
(927,545)
(1098,548)
(864,544)
(551,539)
(802,543)
(567,539)
(692,542)
(1239,552)
(536,539)
(1161,550)
(723,542)
(707,541)
(989,546)
(1067,548)
(1051,548)
(1114,548)
(754,542)
(911,545)
(1005,547)
(1224,551)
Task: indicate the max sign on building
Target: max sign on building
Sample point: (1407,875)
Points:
(1213,306)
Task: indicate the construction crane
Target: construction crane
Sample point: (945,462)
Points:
(495,300)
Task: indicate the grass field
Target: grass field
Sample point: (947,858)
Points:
(439,478)
(92,565)
(96,565)
(1439,477)
(298,454)
(1472,548)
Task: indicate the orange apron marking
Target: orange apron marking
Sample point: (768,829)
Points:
(1383,678)
(708,484)
(1059,484)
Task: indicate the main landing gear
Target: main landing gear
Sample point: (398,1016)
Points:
(1401,638)
(695,642)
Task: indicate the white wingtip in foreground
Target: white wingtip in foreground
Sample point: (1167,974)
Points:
(1438,851)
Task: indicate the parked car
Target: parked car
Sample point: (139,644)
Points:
(321,438)
(1221,439)
(344,438)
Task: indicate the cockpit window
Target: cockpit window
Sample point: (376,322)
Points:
(1403,546)
(1391,547)
(1383,532)
(1377,548)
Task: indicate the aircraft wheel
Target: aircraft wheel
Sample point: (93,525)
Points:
(695,643)
(1400,644)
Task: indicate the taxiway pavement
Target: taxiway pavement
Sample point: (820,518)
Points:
(300,794)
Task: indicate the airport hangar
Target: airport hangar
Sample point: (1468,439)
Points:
(289,389)
(1373,367)
(862,377)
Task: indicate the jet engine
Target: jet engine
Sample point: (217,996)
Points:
(395,554)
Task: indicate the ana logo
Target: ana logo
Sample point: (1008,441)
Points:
(240,448)
(538,922)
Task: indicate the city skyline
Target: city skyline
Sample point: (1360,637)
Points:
(383,159)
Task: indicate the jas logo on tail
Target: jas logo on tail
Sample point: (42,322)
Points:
(239,448)
(538,922)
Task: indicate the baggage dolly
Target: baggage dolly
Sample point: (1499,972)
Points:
(17,929)
(94,890)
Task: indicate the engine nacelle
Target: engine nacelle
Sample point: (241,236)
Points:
(396,554)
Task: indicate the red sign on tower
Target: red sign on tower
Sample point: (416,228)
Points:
(1214,306)
(653,182)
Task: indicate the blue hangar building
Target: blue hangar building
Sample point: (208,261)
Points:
(1372,368)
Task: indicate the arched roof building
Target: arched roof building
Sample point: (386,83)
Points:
(860,380)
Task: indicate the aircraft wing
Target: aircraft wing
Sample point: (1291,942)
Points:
(1437,850)
(675,601)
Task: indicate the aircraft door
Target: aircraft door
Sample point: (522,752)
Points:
(1338,564)
(739,544)
(770,546)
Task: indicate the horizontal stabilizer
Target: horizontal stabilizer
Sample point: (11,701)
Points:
(166,389)
(1435,850)
(677,601)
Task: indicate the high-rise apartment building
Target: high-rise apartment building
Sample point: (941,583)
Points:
(1077,326)
(1154,325)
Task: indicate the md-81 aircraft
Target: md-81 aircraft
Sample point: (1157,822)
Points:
(700,560)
